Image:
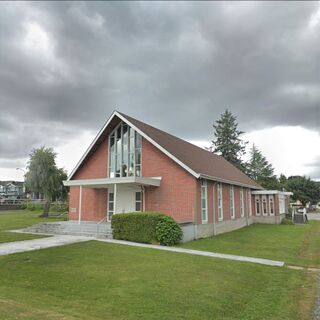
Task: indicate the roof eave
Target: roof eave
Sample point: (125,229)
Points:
(236,183)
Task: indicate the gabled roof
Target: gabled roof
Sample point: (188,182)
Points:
(197,161)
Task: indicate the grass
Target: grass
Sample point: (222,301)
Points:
(95,280)
(293,244)
(20,219)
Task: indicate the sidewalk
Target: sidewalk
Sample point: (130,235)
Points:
(266,262)
(36,244)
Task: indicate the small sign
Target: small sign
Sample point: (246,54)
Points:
(73,210)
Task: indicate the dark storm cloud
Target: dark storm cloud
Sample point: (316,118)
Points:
(65,66)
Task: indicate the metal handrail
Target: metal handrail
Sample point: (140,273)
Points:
(98,224)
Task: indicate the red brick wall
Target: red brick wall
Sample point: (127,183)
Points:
(96,166)
(94,204)
(94,201)
(179,192)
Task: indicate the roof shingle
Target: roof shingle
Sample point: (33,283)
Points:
(197,159)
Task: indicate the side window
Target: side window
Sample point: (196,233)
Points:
(138,201)
(232,209)
(271,205)
(220,207)
(110,205)
(258,210)
(204,202)
(264,205)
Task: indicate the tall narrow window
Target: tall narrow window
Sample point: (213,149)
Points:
(204,202)
(258,211)
(232,209)
(138,154)
(264,205)
(241,203)
(110,205)
(249,203)
(220,207)
(124,152)
(271,205)
(138,201)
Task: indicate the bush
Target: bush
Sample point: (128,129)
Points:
(59,207)
(33,206)
(146,227)
(287,221)
(168,231)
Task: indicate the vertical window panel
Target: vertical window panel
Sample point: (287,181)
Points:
(204,201)
(220,207)
(232,209)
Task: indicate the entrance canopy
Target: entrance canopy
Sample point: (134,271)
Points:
(106,182)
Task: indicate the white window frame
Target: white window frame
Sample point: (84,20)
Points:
(271,205)
(232,207)
(250,203)
(138,201)
(257,205)
(220,201)
(241,203)
(204,191)
(135,149)
(264,205)
(110,211)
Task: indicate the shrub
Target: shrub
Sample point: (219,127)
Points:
(287,221)
(168,231)
(59,207)
(146,227)
(33,206)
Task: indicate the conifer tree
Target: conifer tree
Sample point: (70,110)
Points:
(227,142)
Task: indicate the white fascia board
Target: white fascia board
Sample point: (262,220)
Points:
(147,181)
(236,183)
(286,193)
(166,152)
(91,145)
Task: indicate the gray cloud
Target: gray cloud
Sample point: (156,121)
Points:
(178,65)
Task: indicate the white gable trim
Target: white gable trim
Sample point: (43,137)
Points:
(115,113)
(166,152)
(91,145)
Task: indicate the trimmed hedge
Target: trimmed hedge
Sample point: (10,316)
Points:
(146,227)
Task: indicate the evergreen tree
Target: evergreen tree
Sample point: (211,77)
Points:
(227,142)
(260,170)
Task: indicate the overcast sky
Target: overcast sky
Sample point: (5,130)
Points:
(64,67)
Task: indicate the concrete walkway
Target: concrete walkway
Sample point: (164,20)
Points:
(61,240)
(198,252)
(36,244)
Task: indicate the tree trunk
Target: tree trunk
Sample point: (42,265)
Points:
(46,209)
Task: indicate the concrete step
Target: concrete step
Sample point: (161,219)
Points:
(65,227)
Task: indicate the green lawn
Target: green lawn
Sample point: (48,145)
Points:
(293,244)
(17,220)
(95,280)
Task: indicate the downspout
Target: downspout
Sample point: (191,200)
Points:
(80,204)
(115,198)
(143,199)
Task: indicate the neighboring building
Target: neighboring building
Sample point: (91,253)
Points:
(11,189)
(132,166)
